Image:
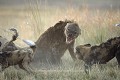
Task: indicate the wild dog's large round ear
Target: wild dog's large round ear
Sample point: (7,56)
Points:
(88,45)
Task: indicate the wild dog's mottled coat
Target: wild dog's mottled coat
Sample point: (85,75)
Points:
(21,57)
(99,54)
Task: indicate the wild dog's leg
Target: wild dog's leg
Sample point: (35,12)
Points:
(24,67)
(4,66)
(3,62)
(30,68)
(25,64)
(87,67)
(117,55)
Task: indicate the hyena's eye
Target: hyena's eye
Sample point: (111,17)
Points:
(75,33)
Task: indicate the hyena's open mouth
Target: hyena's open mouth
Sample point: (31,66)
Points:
(69,39)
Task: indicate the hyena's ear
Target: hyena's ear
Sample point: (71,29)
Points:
(88,45)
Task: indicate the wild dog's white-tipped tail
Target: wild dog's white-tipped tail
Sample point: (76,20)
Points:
(29,42)
(117,25)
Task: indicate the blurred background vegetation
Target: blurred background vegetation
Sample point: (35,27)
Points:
(96,18)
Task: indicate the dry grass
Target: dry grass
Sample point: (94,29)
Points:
(96,25)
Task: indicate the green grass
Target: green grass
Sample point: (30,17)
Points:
(107,72)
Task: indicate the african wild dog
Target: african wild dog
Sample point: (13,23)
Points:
(100,54)
(21,57)
(11,55)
